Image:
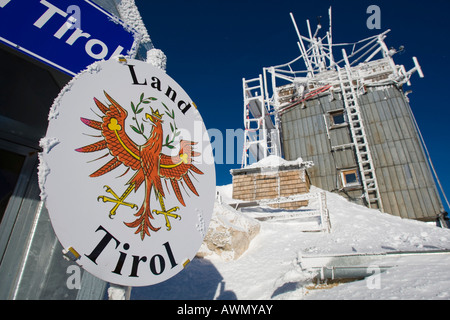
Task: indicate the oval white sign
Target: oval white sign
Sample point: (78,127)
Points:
(127,173)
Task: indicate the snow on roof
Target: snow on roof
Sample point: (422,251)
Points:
(273,163)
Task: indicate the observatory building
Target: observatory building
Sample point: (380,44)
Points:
(346,111)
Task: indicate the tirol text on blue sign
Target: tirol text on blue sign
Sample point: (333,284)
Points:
(66,34)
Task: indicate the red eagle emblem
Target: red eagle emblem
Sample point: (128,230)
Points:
(147,160)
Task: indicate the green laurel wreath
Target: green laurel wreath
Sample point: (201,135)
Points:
(140,128)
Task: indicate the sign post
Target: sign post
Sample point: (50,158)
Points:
(127,173)
(65,34)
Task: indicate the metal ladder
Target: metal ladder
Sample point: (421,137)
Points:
(257,121)
(358,133)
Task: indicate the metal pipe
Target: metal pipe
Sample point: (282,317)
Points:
(359,266)
(336,273)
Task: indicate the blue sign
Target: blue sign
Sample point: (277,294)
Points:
(66,34)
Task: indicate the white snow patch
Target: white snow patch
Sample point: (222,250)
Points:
(269,268)
(273,161)
(157,58)
(43,170)
(47,144)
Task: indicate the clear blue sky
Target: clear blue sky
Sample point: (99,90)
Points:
(211,45)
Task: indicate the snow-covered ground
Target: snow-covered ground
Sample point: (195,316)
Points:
(270,268)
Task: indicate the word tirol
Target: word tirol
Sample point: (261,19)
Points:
(66,34)
(157,263)
(98,53)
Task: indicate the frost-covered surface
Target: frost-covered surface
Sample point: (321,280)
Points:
(275,161)
(157,58)
(43,170)
(230,233)
(270,269)
(129,13)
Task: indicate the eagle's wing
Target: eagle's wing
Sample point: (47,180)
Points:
(176,168)
(112,127)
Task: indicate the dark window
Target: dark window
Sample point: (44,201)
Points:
(10,166)
(350,178)
(337,118)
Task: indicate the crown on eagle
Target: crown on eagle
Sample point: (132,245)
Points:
(156,113)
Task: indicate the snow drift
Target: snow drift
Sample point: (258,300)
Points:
(270,268)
